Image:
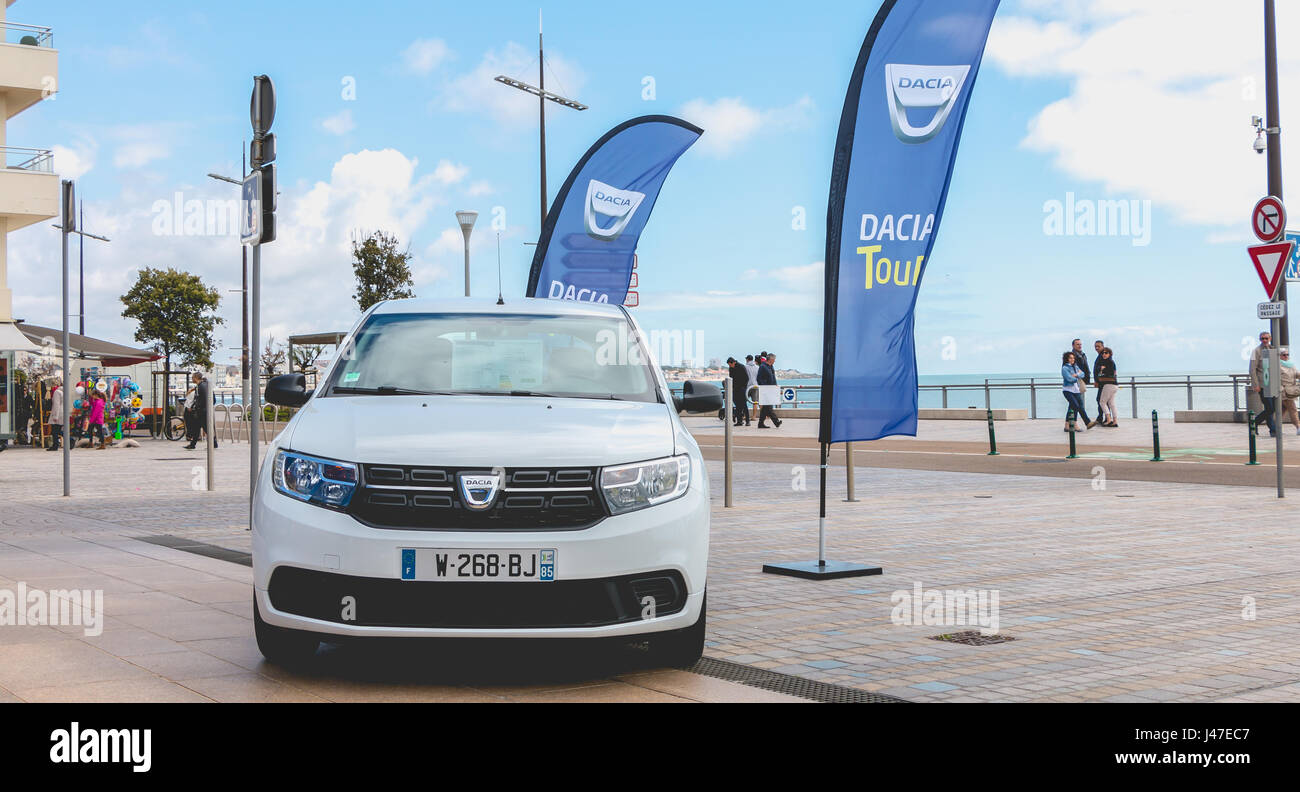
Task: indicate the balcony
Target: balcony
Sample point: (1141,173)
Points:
(29,189)
(29,66)
(27,35)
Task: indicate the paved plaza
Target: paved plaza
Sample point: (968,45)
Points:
(1112,589)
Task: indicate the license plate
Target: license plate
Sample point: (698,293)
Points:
(424,563)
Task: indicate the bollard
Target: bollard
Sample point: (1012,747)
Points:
(1250,432)
(848,470)
(993,441)
(1155,436)
(1070,418)
(728,385)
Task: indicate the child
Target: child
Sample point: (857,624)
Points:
(97,405)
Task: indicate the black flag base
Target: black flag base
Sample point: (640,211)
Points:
(822,570)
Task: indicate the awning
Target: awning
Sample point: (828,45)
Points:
(88,348)
(11,338)
(312,339)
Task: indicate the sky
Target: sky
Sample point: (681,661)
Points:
(388,119)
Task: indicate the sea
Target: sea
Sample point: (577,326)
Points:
(1211,390)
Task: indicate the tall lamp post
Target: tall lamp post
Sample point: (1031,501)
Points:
(243,297)
(1273,131)
(542,96)
(466,220)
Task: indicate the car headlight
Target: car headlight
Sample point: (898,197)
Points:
(636,486)
(323,482)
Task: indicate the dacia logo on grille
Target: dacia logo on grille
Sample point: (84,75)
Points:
(478,491)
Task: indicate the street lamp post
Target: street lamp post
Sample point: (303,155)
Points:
(543,96)
(1273,133)
(466,220)
(243,297)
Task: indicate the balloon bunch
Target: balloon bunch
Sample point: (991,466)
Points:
(126,396)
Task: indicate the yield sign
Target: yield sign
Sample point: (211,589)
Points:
(1270,261)
(1269,219)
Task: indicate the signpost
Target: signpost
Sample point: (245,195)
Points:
(1268,221)
(1293,266)
(256,229)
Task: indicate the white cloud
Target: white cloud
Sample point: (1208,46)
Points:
(729,122)
(478,92)
(339,124)
(307,275)
(1160,97)
(448,172)
(75,161)
(425,55)
(480,188)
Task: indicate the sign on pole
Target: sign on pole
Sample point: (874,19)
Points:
(1271,310)
(1268,220)
(1270,260)
(1293,266)
(250,209)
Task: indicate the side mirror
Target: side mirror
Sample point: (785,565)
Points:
(288,390)
(699,397)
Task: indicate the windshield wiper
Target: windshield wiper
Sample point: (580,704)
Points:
(386,390)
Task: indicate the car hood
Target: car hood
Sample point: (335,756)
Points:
(487,431)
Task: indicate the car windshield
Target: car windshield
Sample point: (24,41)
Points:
(586,357)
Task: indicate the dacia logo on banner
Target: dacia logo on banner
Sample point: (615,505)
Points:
(607,201)
(912,87)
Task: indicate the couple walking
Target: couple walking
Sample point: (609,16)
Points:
(753,371)
(1075,379)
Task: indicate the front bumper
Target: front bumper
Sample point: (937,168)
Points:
(317,557)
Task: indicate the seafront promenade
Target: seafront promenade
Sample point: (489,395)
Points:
(1112,589)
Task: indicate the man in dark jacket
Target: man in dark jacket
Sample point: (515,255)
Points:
(1096,368)
(197,419)
(739,386)
(767,376)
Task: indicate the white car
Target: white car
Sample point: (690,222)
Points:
(468,469)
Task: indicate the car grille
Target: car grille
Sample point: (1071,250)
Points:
(429,499)
(386,602)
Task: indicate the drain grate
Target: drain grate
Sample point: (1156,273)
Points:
(199,548)
(789,684)
(972,638)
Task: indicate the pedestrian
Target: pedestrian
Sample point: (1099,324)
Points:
(1259,381)
(97,404)
(767,376)
(1105,377)
(1290,383)
(1081,360)
(1097,347)
(739,387)
(197,403)
(56,417)
(1071,378)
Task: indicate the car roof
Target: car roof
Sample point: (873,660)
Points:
(488,307)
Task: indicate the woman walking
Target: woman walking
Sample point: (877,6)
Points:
(1108,380)
(1071,378)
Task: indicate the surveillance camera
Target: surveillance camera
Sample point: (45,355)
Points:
(1256,122)
(1260,145)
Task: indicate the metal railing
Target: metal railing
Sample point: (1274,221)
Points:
(28,159)
(27,35)
(809,396)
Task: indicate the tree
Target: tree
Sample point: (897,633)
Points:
(304,357)
(176,313)
(383,273)
(272,357)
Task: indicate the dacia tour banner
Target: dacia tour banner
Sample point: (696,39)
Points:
(586,247)
(897,143)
